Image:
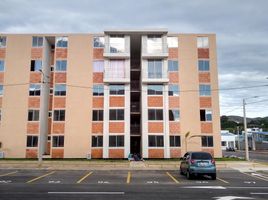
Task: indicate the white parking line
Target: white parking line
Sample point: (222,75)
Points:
(99,193)
(206,187)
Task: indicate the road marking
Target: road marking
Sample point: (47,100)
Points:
(103,182)
(222,180)
(101,193)
(5,181)
(84,177)
(258,193)
(152,182)
(39,177)
(128,177)
(1,175)
(206,187)
(248,187)
(172,177)
(231,198)
(254,176)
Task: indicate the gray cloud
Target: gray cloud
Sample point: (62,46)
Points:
(240,25)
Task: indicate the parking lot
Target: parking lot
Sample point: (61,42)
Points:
(118,184)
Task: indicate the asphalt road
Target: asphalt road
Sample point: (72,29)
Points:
(253,155)
(41,184)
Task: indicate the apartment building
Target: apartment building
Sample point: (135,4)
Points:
(107,95)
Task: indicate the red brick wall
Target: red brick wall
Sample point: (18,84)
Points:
(116,153)
(175,153)
(60,77)
(98,53)
(58,127)
(116,127)
(97,77)
(57,153)
(59,102)
(34,102)
(174,102)
(2,53)
(155,127)
(206,127)
(203,53)
(117,101)
(35,77)
(61,53)
(205,102)
(1,77)
(36,53)
(173,77)
(33,127)
(97,127)
(156,153)
(98,102)
(96,153)
(174,127)
(155,101)
(31,153)
(204,77)
(173,53)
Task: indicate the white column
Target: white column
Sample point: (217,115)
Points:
(127,120)
(106,122)
(144,122)
(166,122)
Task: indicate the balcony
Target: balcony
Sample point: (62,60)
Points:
(116,71)
(154,47)
(117,47)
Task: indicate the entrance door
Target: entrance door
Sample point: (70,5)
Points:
(135,145)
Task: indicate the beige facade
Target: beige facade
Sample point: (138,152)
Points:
(108,95)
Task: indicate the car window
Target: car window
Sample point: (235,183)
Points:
(201,156)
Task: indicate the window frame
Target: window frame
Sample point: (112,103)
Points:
(155,114)
(119,141)
(3,41)
(155,141)
(58,141)
(61,66)
(57,115)
(98,142)
(98,90)
(61,41)
(175,113)
(60,92)
(175,141)
(36,65)
(202,42)
(154,74)
(203,65)
(98,66)
(1,89)
(33,115)
(98,42)
(172,67)
(155,92)
(170,43)
(37,43)
(35,90)
(99,115)
(175,93)
(32,141)
(204,90)
(117,114)
(205,115)
(2,65)
(207,141)
(117,91)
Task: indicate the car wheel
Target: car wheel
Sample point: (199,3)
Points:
(181,172)
(189,175)
(213,176)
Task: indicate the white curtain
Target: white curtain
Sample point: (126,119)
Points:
(117,69)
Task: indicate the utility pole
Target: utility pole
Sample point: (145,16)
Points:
(245,130)
(238,138)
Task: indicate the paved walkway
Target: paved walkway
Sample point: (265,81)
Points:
(124,165)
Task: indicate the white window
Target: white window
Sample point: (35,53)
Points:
(37,42)
(116,69)
(98,66)
(154,44)
(117,44)
(98,42)
(202,42)
(172,42)
(62,42)
(3,41)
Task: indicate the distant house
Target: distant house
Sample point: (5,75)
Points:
(227,140)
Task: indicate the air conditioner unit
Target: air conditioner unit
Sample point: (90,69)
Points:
(1,154)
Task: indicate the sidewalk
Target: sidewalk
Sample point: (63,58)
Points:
(124,165)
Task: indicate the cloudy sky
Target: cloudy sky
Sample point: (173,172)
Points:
(241,27)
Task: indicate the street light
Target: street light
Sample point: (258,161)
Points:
(245,126)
